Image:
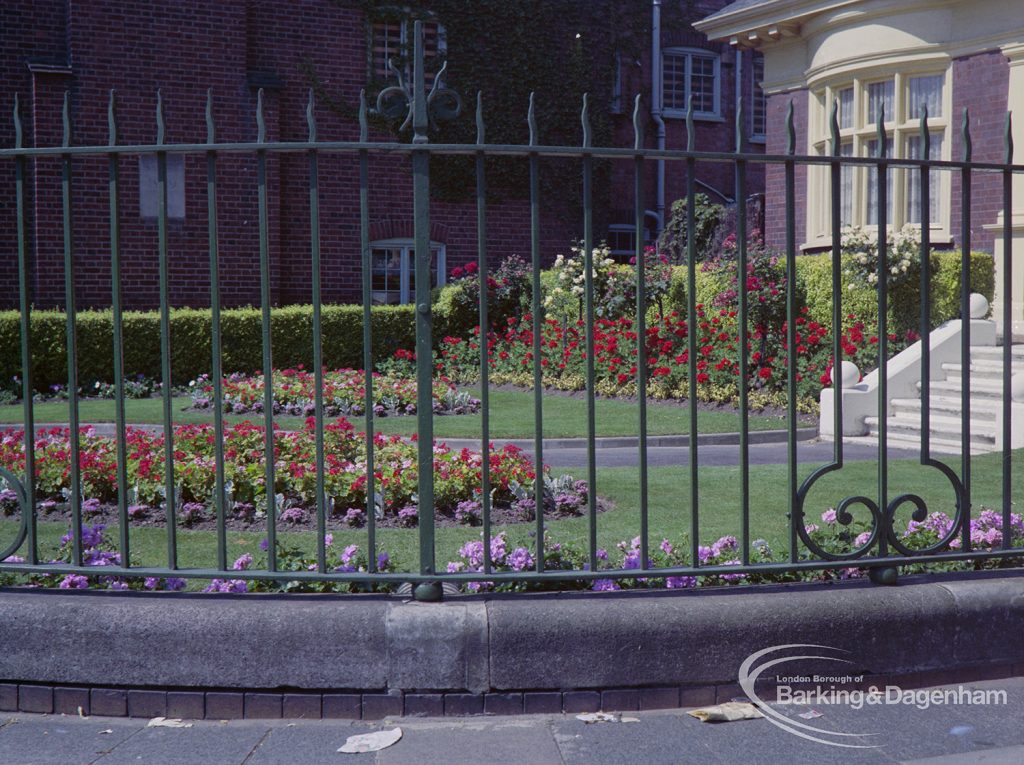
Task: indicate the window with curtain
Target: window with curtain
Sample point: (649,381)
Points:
(900,101)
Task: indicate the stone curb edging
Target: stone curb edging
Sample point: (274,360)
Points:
(255,648)
(607,442)
(269,704)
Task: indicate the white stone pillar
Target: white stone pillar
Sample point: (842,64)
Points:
(1015,103)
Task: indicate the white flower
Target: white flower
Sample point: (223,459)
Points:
(872,278)
(895,271)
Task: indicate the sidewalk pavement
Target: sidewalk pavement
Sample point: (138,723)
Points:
(899,733)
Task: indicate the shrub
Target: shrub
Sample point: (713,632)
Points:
(707,219)
(242,341)
(508,294)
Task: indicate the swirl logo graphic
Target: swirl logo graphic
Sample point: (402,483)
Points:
(749,673)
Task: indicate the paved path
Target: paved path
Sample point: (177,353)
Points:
(939,735)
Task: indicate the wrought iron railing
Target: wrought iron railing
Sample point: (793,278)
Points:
(882,550)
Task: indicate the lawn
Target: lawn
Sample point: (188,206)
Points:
(669,512)
(511,417)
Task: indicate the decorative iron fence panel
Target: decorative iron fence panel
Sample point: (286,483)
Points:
(882,548)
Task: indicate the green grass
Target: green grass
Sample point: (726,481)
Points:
(512,416)
(669,511)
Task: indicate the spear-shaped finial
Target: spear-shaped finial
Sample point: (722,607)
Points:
(689,123)
(1008,138)
(834,126)
(531,120)
(480,117)
(311,116)
(66,119)
(160,128)
(210,131)
(790,130)
(18,138)
(112,119)
(637,132)
(926,139)
(739,126)
(965,128)
(585,120)
(261,124)
(364,126)
(880,132)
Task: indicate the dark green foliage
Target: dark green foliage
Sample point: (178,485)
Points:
(291,333)
(707,220)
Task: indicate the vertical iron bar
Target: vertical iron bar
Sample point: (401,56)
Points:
(883,330)
(837,288)
(924,181)
(641,329)
(741,271)
(170,510)
(424,319)
(791,316)
(75,497)
(118,332)
(25,298)
(1007,328)
(537,312)
(364,248)
(588,319)
(691,334)
(220,501)
(318,357)
(268,362)
(484,324)
(965,335)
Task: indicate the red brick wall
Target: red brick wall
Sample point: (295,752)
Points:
(775,177)
(233,47)
(980,84)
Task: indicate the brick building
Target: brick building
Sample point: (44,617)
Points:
(237,47)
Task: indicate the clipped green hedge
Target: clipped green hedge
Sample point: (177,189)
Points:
(814,272)
(393,327)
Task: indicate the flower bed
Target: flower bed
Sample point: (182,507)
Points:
(344,394)
(457,475)
(563,356)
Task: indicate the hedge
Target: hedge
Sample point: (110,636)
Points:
(814,273)
(393,327)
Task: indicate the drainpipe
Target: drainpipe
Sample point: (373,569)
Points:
(656,82)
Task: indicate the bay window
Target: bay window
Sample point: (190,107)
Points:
(899,100)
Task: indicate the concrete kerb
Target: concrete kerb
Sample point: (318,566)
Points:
(551,642)
(608,442)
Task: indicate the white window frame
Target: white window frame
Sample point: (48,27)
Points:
(149,187)
(899,128)
(407,257)
(405,44)
(688,54)
(757,93)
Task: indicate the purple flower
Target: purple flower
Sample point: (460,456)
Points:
(498,549)
(227,585)
(666,547)
(174,584)
(520,559)
(602,554)
(382,561)
(328,539)
(468,511)
(137,511)
(73,582)
(264,545)
(408,516)
(349,553)
(829,517)
(680,582)
(604,585)
(151,583)
(243,562)
(355,516)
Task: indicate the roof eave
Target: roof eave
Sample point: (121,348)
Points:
(754,25)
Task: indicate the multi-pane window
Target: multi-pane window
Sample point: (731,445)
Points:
(392,40)
(149,187)
(899,102)
(393,270)
(758,100)
(690,72)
